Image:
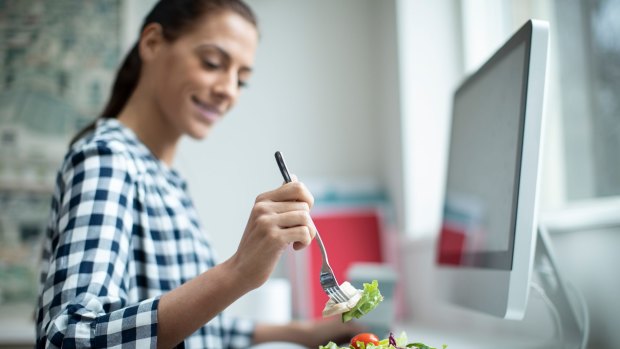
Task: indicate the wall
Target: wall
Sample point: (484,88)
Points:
(429,53)
(316,95)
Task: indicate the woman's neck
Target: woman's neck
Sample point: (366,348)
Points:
(150,127)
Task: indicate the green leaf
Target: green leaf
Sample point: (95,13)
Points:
(371,297)
(423,346)
(330,345)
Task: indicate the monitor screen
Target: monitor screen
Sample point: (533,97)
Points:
(487,238)
(485,152)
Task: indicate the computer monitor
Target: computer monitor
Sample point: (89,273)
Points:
(487,241)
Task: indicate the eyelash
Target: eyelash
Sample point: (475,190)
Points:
(212,66)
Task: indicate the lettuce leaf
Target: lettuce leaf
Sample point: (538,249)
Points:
(330,345)
(388,343)
(371,297)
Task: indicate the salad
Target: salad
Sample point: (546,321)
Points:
(361,302)
(371,341)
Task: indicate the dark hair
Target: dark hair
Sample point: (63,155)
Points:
(175,17)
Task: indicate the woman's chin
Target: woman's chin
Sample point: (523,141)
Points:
(200,133)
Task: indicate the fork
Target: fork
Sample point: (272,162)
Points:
(327,277)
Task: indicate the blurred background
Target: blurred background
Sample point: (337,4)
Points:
(357,96)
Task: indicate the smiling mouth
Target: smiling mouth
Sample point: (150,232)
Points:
(208,112)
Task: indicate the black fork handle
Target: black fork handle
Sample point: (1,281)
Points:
(287,179)
(282,166)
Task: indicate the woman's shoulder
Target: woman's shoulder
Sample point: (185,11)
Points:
(108,145)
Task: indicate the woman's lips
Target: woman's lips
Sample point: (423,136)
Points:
(207,112)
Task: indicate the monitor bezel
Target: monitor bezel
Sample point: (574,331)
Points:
(503,291)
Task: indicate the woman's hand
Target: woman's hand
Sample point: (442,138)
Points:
(278,218)
(310,334)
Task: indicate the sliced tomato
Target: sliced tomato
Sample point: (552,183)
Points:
(364,338)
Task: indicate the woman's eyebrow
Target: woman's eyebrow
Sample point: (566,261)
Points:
(224,53)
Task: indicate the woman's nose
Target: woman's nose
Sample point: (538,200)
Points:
(227,86)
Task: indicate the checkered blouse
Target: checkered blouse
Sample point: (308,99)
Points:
(122,231)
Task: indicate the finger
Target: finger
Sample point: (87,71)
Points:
(298,246)
(313,229)
(294,191)
(295,218)
(286,206)
(298,236)
(293,178)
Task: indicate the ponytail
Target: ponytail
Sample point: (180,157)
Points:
(175,17)
(125,83)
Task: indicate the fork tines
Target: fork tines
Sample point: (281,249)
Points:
(337,294)
(330,286)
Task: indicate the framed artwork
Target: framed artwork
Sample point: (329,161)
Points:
(57,62)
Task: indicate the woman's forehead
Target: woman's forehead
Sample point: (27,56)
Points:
(226,30)
(225,26)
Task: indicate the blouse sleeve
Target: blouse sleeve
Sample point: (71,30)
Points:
(84,300)
(238,332)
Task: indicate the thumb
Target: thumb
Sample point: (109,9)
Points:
(293,178)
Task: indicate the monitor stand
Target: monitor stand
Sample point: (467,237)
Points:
(572,324)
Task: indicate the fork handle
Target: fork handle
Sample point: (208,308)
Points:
(287,179)
(323,252)
(282,166)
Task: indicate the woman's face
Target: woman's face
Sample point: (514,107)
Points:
(197,78)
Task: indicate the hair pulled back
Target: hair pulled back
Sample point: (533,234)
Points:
(176,17)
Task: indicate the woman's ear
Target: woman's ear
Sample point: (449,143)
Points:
(151,40)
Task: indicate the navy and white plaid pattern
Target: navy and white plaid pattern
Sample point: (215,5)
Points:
(122,232)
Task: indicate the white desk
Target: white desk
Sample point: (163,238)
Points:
(466,338)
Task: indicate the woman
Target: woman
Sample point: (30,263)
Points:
(125,261)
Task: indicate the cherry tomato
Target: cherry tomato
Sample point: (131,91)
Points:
(364,338)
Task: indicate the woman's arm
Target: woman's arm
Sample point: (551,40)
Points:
(84,297)
(84,300)
(310,334)
(278,218)
(188,307)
